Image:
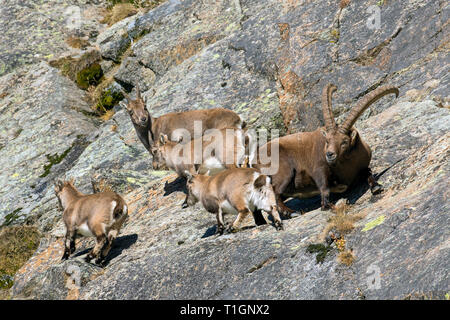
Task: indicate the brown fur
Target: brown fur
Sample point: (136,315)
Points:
(93,210)
(232,189)
(148,128)
(326,160)
(164,152)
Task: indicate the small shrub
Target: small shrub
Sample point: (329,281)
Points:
(108,100)
(90,76)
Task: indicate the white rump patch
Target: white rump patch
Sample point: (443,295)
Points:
(260,199)
(212,163)
(113,206)
(84,230)
(228,208)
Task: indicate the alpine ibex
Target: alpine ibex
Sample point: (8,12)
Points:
(238,191)
(148,128)
(98,215)
(326,160)
(216,150)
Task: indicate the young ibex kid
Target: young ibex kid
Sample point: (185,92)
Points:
(98,215)
(239,191)
(326,160)
(150,129)
(216,151)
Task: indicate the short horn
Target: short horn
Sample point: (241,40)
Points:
(366,102)
(138,91)
(327,110)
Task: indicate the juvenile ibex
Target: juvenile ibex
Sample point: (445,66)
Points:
(238,191)
(216,150)
(148,128)
(326,160)
(98,215)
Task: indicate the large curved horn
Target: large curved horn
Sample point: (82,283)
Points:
(368,100)
(327,106)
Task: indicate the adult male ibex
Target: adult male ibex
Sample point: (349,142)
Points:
(98,215)
(326,160)
(239,191)
(148,128)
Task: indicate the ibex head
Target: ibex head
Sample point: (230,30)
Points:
(162,150)
(194,187)
(339,140)
(60,186)
(158,152)
(136,108)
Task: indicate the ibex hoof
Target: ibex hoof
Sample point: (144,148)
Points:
(184,206)
(231,229)
(100,262)
(376,189)
(220,230)
(279,226)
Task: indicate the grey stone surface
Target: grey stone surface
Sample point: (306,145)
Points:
(267,60)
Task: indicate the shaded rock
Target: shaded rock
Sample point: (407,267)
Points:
(131,72)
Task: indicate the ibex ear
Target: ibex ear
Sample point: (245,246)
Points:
(163,139)
(323,132)
(353,137)
(188,175)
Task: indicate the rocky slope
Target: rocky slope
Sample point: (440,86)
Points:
(268,60)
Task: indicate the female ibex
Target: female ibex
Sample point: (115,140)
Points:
(216,150)
(326,160)
(239,191)
(148,128)
(98,215)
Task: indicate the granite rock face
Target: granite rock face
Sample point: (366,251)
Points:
(267,60)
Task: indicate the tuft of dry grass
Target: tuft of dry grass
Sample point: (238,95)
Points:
(100,185)
(342,222)
(77,42)
(118,12)
(107,115)
(346,257)
(17,245)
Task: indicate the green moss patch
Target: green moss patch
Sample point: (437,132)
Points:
(108,100)
(89,76)
(11,217)
(320,249)
(17,245)
(52,160)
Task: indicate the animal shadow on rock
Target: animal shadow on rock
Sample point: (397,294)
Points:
(177,185)
(120,243)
